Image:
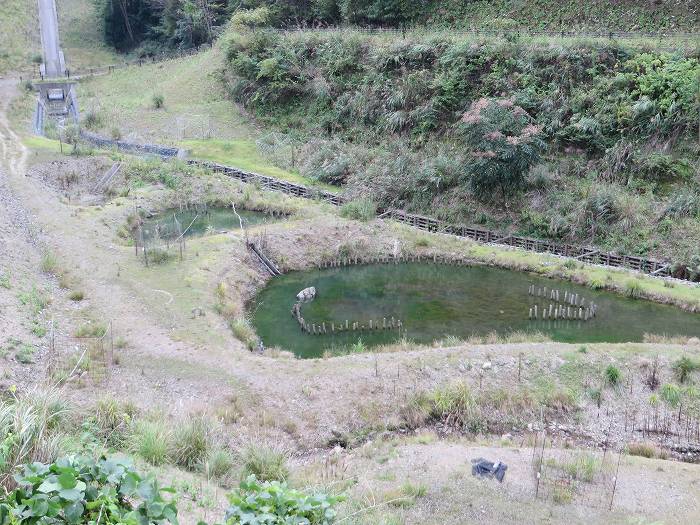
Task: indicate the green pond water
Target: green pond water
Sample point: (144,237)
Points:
(164,225)
(435,301)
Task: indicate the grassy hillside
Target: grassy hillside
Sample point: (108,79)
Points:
(82,34)
(592,15)
(19,35)
(584,142)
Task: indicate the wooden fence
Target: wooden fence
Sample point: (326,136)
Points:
(585,254)
(582,253)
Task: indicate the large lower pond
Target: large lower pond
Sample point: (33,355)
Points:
(168,224)
(434,301)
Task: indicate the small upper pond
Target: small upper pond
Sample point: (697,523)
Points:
(434,301)
(168,224)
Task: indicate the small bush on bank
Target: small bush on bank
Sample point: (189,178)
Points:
(92,120)
(76,295)
(159,256)
(49,263)
(151,440)
(112,420)
(218,464)
(91,329)
(646,450)
(633,288)
(157,101)
(613,376)
(684,368)
(265,463)
(31,432)
(191,443)
(244,332)
(359,210)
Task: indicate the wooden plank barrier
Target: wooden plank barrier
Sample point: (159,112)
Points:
(432,225)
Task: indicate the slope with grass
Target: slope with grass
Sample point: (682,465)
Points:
(582,142)
(19,36)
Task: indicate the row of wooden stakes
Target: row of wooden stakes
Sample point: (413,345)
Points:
(559,311)
(567,298)
(434,258)
(347,326)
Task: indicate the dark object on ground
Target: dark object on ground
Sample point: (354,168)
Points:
(484,468)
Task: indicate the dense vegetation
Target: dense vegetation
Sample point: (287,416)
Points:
(586,142)
(156,25)
(61,466)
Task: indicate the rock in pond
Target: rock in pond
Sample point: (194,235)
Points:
(307,294)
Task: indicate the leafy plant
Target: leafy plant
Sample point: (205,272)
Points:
(78,489)
(504,143)
(274,503)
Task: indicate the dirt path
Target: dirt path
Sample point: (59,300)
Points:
(20,253)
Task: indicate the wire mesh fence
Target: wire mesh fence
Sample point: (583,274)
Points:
(566,475)
(85,356)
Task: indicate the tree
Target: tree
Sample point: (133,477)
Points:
(503,143)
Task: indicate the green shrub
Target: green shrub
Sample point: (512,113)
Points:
(684,368)
(191,442)
(35,299)
(151,440)
(159,256)
(92,120)
(646,450)
(504,142)
(91,329)
(78,489)
(29,427)
(244,332)
(219,463)
(25,354)
(113,420)
(49,263)
(613,376)
(157,101)
(359,210)
(276,503)
(265,463)
(456,405)
(633,288)
(671,394)
(76,295)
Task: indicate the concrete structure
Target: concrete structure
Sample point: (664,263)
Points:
(56,97)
